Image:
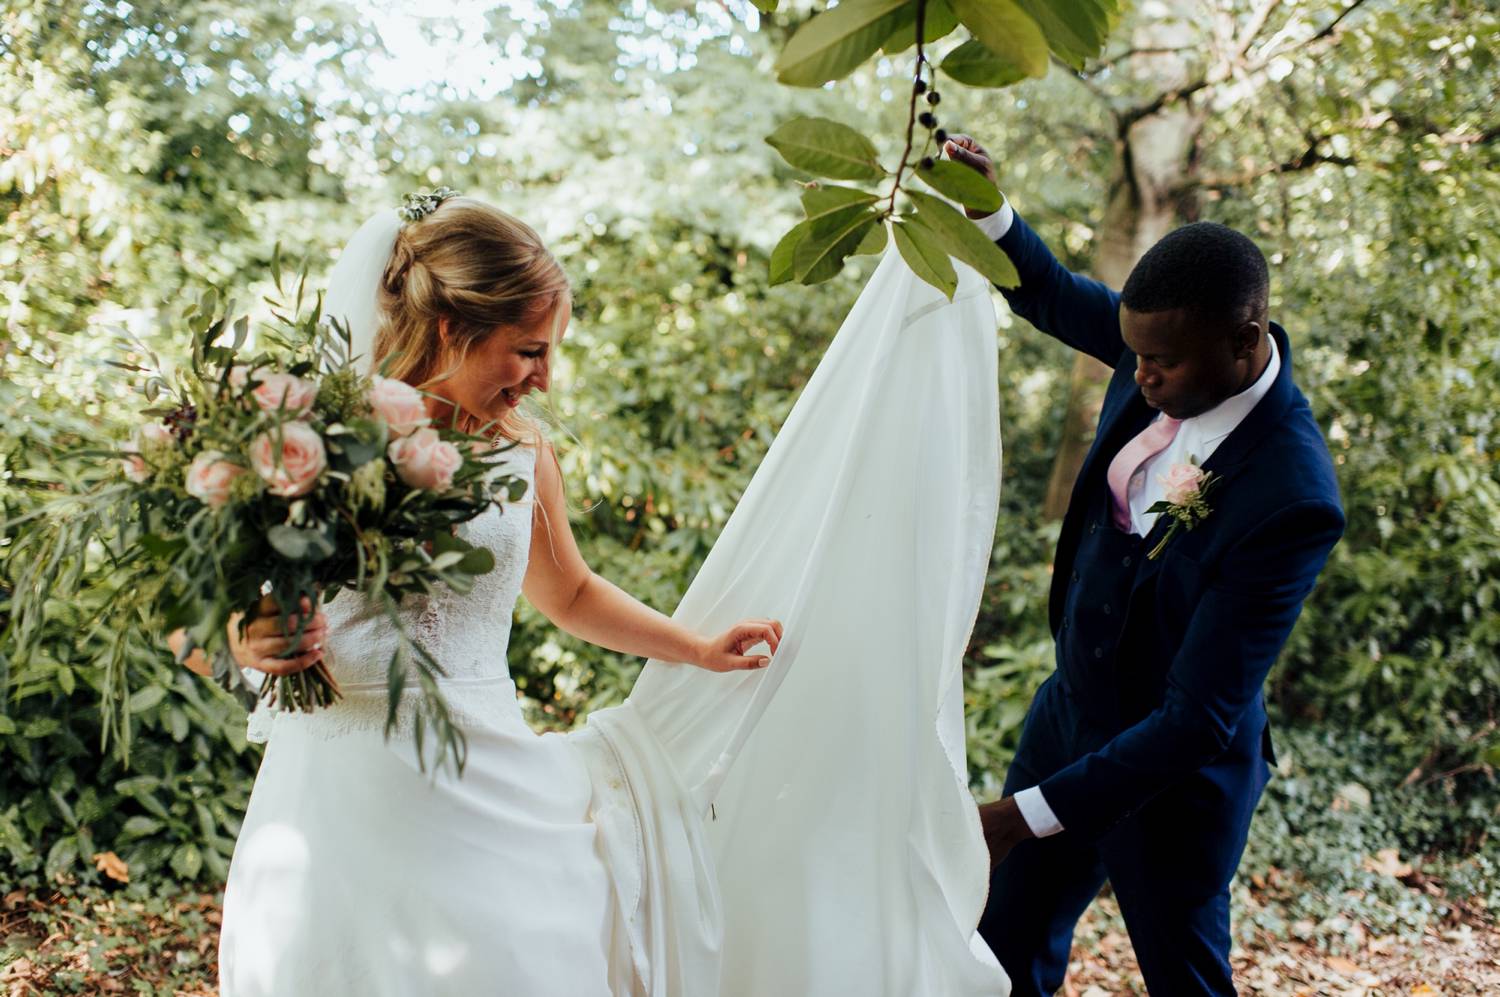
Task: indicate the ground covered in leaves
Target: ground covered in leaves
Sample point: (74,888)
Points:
(110,942)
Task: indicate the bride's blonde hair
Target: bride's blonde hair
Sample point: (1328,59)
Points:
(476,267)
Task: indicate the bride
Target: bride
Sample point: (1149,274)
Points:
(797,824)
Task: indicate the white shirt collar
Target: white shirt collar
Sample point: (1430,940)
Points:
(1221,420)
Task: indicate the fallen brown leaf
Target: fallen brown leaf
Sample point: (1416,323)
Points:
(112,866)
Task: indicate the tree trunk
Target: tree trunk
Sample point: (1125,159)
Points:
(1153,158)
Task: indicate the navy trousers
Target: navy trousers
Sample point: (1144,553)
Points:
(1169,864)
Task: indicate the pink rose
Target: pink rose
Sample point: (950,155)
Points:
(239,376)
(425,461)
(399,404)
(209,477)
(135,468)
(302,459)
(1182,482)
(277,389)
(157,435)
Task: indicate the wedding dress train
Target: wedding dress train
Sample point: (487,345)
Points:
(805,829)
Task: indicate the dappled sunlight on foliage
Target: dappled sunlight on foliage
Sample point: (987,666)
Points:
(150,149)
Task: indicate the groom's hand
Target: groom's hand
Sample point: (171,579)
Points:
(1004,828)
(963,149)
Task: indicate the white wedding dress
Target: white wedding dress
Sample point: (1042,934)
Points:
(805,829)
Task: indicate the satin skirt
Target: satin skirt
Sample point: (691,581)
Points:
(357,873)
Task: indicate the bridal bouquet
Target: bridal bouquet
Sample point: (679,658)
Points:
(288,473)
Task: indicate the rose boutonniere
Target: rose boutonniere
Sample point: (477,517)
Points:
(1187,487)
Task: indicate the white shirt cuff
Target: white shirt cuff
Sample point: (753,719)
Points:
(1038,815)
(998,223)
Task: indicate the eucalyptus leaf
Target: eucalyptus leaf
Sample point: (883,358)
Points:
(478,561)
(298,544)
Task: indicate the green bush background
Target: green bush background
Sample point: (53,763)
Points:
(148,150)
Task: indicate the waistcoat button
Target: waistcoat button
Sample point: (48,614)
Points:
(1098,652)
(1126,562)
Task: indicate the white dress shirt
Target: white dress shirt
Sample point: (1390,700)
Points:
(1197,439)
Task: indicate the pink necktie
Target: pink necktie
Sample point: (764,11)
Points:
(1147,444)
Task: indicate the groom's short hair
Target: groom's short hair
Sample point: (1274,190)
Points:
(1206,267)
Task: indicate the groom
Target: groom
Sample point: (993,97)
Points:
(1144,754)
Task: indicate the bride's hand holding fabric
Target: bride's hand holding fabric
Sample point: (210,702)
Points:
(566,590)
(730,650)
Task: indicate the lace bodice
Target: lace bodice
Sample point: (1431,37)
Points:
(467,633)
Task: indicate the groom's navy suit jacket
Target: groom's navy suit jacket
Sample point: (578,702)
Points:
(1166,658)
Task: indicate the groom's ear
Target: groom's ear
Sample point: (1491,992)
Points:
(1245,339)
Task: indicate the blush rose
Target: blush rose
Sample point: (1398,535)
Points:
(399,404)
(424,461)
(210,476)
(302,459)
(1182,482)
(276,390)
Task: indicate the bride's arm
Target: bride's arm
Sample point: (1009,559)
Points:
(568,593)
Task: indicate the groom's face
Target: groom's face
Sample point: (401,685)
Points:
(1184,365)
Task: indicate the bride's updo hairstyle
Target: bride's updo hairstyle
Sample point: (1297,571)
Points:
(475,266)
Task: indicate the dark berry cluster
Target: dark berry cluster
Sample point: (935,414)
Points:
(180,421)
(927,119)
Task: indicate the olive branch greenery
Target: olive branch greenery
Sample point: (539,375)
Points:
(177,562)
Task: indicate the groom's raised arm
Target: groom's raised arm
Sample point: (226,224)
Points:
(1078,310)
(1233,638)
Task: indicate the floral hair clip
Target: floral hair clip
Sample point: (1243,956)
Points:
(421,203)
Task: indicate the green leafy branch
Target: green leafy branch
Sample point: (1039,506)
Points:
(1009,40)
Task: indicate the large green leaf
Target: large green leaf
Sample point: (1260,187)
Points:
(939,23)
(823,199)
(977,66)
(829,241)
(964,185)
(1074,29)
(826,148)
(783,255)
(925,257)
(960,237)
(873,242)
(835,42)
(1006,30)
